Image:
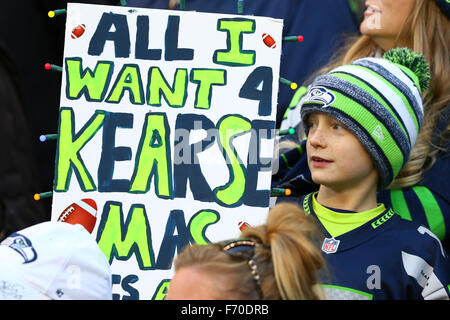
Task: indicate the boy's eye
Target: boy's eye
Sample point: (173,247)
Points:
(311,124)
(337,125)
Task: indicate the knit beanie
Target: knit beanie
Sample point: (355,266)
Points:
(444,5)
(379,101)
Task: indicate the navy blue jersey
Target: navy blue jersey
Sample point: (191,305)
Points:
(385,258)
(428,202)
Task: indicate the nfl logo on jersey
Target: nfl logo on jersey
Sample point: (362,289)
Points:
(330,245)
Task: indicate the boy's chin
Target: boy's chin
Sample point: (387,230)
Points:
(325,181)
(322,181)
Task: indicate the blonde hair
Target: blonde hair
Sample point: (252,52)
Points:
(427,31)
(288,259)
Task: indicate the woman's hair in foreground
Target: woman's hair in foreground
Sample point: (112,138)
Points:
(287,259)
(427,31)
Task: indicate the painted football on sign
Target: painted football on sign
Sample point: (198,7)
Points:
(269,41)
(82,212)
(78,31)
(243,225)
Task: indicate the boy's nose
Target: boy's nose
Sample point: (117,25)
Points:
(317,137)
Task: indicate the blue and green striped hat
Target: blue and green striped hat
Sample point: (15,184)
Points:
(379,100)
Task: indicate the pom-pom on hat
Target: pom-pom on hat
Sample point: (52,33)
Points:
(379,100)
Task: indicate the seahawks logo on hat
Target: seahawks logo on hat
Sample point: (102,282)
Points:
(22,245)
(320,94)
(378,132)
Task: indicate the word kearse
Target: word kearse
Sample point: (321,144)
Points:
(154,157)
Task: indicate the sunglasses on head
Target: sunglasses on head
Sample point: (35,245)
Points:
(245,249)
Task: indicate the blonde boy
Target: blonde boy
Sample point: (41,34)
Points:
(361,121)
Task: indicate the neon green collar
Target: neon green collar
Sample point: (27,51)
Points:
(338,223)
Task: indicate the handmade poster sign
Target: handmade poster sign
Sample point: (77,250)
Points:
(166,133)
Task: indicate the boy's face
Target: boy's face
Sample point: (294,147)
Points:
(336,158)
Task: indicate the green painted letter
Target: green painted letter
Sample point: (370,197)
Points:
(92,84)
(158,85)
(162,289)
(153,157)
(198,224)
(234,55)
(231,193)
(119,239)
(206,78)
(129,78)
(69,147)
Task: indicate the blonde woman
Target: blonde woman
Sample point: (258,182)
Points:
(420,192)
(278,260)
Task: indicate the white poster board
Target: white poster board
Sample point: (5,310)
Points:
(166,122)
